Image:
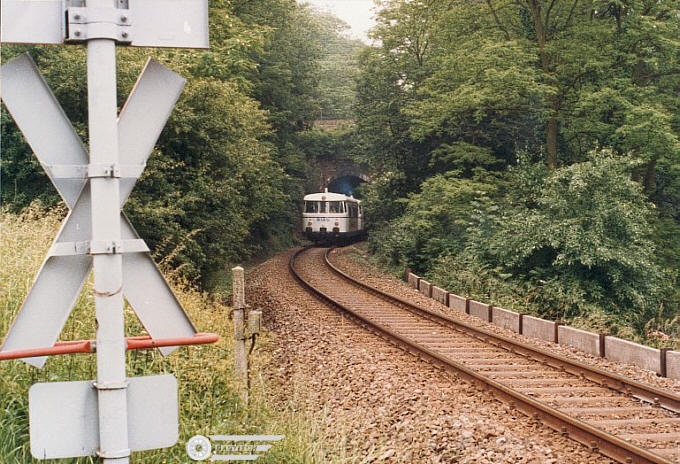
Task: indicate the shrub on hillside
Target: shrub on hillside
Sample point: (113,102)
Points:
(586,242)
(570,243)
(435,222)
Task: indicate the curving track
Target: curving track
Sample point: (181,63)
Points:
(621,418)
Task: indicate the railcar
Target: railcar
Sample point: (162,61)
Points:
(332,217)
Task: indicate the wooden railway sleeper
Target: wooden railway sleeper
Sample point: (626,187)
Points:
(605,443)
(670,401)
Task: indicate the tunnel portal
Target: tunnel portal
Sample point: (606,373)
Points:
(346,184)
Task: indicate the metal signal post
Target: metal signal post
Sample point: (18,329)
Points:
(113,415)
(111,381)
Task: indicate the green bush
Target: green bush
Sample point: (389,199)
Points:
(589,235)
(435,221)
(577,243)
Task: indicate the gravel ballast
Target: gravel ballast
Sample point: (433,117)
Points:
(353,260)
(379,402)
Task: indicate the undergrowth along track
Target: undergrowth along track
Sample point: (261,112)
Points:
(621,418)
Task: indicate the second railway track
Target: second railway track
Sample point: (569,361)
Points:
(623,419)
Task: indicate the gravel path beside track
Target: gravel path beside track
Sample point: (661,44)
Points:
(386,405)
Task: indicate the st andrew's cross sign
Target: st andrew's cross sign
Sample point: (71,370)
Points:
(113,415)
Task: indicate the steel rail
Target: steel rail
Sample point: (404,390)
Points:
(596,439)
(647,393)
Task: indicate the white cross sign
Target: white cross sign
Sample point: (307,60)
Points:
(113,415)
(62,155)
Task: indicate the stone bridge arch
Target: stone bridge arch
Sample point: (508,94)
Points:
(341,176)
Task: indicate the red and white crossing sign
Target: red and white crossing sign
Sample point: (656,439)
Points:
(62,155)
(113,415)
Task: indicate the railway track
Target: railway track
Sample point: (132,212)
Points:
(623,419)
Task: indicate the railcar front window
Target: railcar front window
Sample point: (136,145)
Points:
(322,206)
(311,206)
(335,207)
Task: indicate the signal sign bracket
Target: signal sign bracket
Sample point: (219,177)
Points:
(90,247)
(70,419)
(157,23)
(88,171)
(85,23)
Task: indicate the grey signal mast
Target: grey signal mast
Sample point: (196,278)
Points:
(113,415)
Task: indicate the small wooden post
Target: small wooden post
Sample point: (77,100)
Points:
(240,357)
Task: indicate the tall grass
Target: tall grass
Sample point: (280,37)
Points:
(208,400)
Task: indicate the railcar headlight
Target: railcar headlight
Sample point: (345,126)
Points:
(337,223)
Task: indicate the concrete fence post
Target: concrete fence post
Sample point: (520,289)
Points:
(240,357)
(663,362)
(603,338)
(556,336)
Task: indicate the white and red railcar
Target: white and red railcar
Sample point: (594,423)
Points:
(329,216)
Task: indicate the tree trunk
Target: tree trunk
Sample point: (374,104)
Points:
(552,126)
(635,175)
(649,180)
(551,140)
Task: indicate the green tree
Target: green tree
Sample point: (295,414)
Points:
(221,182)
(435,221)
(338,68)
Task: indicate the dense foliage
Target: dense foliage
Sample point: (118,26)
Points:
(529,153)
(338,71)
(223,181)
(208,389)
(523,151)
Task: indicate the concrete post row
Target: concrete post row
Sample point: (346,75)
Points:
(665,362)
(425,288)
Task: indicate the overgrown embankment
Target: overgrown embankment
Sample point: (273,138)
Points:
(530,155)
(208,399)
(579,244)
